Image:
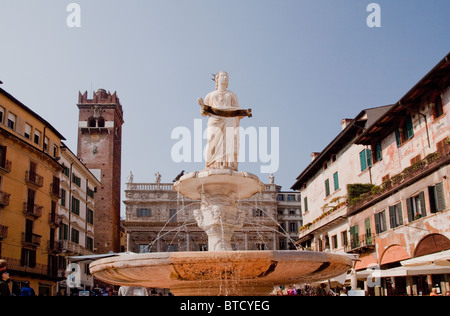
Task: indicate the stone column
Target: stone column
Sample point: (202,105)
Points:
(188,241)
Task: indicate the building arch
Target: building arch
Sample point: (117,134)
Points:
(432,243)
(394,253)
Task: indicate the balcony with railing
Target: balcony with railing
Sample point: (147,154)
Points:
(150,186)
(5,167)
(4,199)
(55,190)
(55,246)
(408,176)
(3,232)
(33,210)
(364,243)
(72,248)
(15,264)
(34,179)
(31,240)
(55,220)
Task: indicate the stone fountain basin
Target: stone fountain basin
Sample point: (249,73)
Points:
(223,181)
(234,273)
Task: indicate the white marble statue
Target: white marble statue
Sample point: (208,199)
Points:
(130,177)
(157,177)
(222,107)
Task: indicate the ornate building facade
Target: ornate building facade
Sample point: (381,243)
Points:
(158,219)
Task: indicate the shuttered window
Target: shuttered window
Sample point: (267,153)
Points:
(437,198)
(365,158)
(336,181)
(354,236)
(416,207)
(405,131)
(395,215)
(327,187)
(380,222)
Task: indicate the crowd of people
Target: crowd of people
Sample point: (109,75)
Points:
(308,290)
(324,290)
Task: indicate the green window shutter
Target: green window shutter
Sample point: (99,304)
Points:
(409,209)
(392,216)
(440,197)
(363,160)
(399,214)
(368,232)
(398,137)
(336,181)
(377,223)
(409,128)
(327,187)
(75,206)
(354,233)
(378,152)
(369,157)
(368,228)
(63,197)
(422,203)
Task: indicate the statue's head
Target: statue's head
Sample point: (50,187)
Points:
(221,76)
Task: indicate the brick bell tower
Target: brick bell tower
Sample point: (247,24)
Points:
(100,148)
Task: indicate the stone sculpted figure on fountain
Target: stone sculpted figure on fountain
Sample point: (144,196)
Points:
(222,107)
(220,185)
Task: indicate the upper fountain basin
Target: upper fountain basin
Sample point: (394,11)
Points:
(222,181)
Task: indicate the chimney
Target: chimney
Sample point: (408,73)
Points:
(345,123)
(314,156)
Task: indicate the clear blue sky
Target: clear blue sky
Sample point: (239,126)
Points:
(301,65)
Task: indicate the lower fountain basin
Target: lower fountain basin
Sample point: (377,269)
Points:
(236,273)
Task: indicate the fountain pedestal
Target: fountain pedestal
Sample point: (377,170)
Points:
(219,191)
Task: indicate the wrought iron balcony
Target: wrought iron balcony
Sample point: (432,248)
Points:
(3,232)
(6,166)
(4,199)
(55,219)
(365,243)
(33,210)
(34,178)
(55,246)
(32,240)
(55,190)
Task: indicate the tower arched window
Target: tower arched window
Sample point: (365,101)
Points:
(101,122)
(92,122)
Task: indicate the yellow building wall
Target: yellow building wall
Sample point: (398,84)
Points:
(20,151)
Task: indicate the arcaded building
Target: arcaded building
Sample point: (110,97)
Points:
(380,189)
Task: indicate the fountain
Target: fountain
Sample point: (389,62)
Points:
(219,187)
